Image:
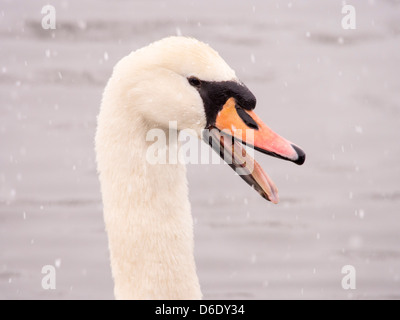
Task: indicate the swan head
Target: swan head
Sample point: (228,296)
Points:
(184,80)
(161,82)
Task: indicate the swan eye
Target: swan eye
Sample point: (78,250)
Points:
(194,82)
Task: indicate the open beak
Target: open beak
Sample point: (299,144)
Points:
(234,125)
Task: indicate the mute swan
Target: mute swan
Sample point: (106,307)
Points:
(146,207)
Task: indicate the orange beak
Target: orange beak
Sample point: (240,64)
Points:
(247,127)
(237,124)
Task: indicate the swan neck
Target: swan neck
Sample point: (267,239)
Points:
(147,215)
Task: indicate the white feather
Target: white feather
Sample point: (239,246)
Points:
(146,207)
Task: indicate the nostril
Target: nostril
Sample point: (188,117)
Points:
(247,119)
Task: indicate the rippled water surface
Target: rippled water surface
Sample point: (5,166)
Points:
(334,92)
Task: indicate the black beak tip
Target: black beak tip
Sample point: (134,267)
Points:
(301,155)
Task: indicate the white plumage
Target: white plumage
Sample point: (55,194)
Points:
(146,207)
